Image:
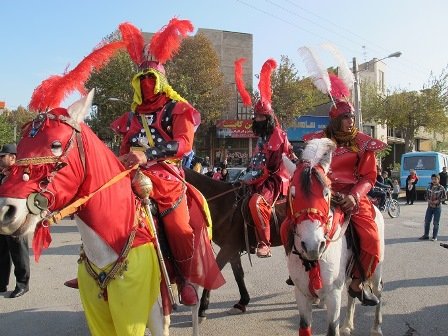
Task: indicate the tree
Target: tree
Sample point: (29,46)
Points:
(11,122)
(113,95)
(196,75)
(292,96)
(407,111)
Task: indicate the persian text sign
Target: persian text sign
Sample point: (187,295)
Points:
(306,124)
(234,129)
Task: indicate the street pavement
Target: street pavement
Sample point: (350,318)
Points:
(415,300)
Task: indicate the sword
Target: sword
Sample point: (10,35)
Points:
(142,186)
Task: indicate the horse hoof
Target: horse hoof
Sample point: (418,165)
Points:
(377,332)
(237,309)
(345,331)
(202,319)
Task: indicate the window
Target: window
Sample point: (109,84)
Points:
(420,163)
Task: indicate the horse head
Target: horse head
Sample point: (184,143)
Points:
(59,160)
(309,199)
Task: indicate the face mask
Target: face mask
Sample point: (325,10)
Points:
(147,85)
(260,128)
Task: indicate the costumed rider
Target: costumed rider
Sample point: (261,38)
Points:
(157,134)
(266,175)
(352,174)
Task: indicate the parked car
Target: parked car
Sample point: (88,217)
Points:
(234,173)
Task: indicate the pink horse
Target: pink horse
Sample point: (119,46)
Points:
(60,161)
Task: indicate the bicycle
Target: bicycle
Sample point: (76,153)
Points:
(391,206)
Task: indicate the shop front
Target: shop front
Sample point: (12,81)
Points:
(234,141)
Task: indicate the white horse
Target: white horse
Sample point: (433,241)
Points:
(61,161)
(313,245)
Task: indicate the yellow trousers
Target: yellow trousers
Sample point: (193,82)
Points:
(130,297)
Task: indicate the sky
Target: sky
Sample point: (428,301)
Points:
(43,38)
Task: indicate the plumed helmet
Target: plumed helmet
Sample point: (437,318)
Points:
(261,107)
(146,65)
(340,107)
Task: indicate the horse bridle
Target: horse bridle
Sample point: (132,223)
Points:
(38,203)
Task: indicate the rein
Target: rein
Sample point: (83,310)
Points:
(74,206)
(37,203)
(223,193)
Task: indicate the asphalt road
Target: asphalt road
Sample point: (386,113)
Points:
(415,301)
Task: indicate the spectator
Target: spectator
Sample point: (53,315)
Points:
(217,175)
(411,182)
(224,174)
(13,249)
(387,180)
(436,194)
(443,179)
(396,189)
(209,172)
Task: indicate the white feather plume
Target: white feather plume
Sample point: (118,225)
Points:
(319,151)
(344,71)
(316,69)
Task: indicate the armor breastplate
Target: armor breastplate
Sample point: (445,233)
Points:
(259,160)
(160,125)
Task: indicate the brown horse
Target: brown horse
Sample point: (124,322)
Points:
(225,202)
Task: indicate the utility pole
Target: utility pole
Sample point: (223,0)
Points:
(357,96)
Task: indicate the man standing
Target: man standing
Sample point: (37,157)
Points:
(13,249)
(443,179)
(436,195)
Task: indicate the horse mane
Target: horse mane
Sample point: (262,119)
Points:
(306,179)
(318,152)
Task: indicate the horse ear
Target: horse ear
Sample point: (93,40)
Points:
(78,110)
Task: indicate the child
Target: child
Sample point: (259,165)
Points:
(436,195)
(396,189)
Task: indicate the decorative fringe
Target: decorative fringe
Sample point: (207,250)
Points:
(316,70)
(338,88)
(166,42)
(265,80)
(52,91)
(247,101)
(134,40)
(344,72)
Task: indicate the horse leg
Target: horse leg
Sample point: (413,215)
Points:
(222,258)
(305,312)
(157,324)
(238,273)
(333,303)
(348,326)
(377,290)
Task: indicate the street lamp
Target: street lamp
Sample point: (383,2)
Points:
(356,87)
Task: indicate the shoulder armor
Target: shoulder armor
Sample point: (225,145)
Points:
(367,143)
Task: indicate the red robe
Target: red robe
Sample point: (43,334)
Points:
(195,262)
(354,173)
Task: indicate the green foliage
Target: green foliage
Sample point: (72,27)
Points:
(113,95)
(408,111)
(292,96)
(11,123)
(196,75)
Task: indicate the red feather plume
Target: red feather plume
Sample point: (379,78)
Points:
(247,101)
(52,91)
(264,85)
(338,88)
(166,42)
(134,40)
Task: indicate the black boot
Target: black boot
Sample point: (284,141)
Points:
(366,297)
